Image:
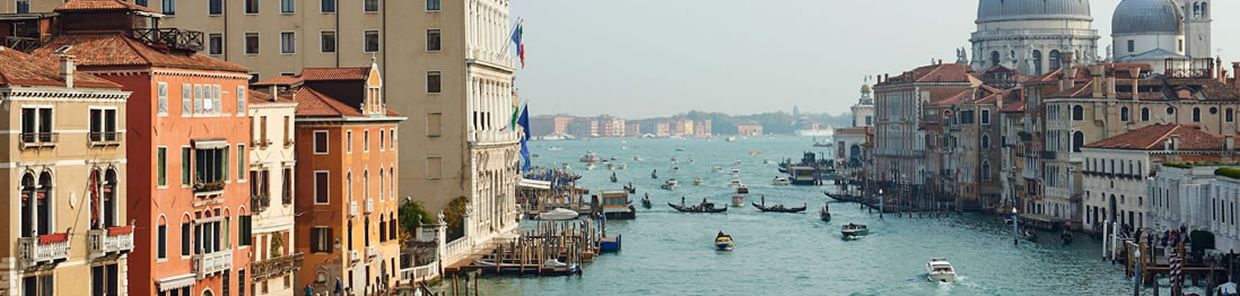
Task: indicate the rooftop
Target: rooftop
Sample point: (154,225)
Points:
(21,69)
(110,50)
(1154,137)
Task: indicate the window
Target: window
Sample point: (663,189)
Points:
(103,125)
(1145,114)
(186,154)
(320,187)
(23,6)
(251,6)
(241,91)
(240,283)
(985,171)
(432,5)
(286,186)
(382,185)
(433,40)
(348,141)
(1170,110)
(185,233)
(215,44)
(288,42)
(327,6)
(985,116)
(1196,114)
(242,166)
(141,2)
(1213,110)
(372,41)
(210,167)
(321,240)
(392,139)
(244,230)
(1078,140)
(366,141)
(433,82)
(1123,113)
(187,99)
(1229,115)
(985,142)
(1078,113)
(370,5)
(161,166)
(161,248)
(215,7)
(170,7)
(320,142)
(287,6)
(104,280)
(1132,46)
(381,140)
(251,43)
(36,125)
(327,41)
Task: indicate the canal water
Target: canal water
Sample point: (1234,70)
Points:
(670,253)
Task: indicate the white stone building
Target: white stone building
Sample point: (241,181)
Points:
(1159,31)
(1030,35)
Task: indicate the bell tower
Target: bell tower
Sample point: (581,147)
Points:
(1197,33)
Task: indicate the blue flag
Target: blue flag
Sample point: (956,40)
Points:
(525,156)
(524,122)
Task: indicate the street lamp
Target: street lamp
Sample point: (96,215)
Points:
(1015,228)
(880,203)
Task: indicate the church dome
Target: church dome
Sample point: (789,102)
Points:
(1146,16)
(1001,10)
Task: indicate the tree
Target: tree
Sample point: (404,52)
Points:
(454,216)
(413,215)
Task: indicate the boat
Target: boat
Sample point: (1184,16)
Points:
(613,176)
(940,271)
(680,149)
(780,181)
(558,214)
(1029,235)
(616,205)
(610,244)
(698,181)
(723,242)
(556,264)
(1066,236)
(738,201)
(768,161)
(1228,288)
(675,160)
(742,189)
(654,174)
(624,166)
(646,201)
(590,157)
(670,184)
(824,214)
(738,161)
(704,207)
(716,169)
(637,158)
(736,171)
(630,188)
(735,183)
(854,231)
(675,169)
(731,139)
(778,208)
(554,148)
(611,166)
(590,166)
(613,158)
(565,166)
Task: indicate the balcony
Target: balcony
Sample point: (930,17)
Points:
(208,188)
(22,44)
(213,263)
(171,37)
(259,202)
(372,252)
(105,138)
(354,257)
(113,240)
(353,212)
(276,267)
(370,205)
(261,143)
(39,140)
(47,248)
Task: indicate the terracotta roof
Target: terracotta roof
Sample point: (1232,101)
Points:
(279,80)
(101,5)
(115,50)
(851,131)
(935,73)
(957,98)
(311,103)
(321,74)
(258,97)
(23,69)
(1152,138)
(1016,105)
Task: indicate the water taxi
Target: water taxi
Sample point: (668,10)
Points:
(854,231)
(780,181)
(738,201)
(558,214)
(742,189)
(616,205)
(590,157)
(723,242)
(736,172)
(940,271)
(670,184)
(735,183)
(698,181)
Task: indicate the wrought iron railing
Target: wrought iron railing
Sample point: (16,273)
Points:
(39,139)
(259,202)
(105,138)
(278,266)
(171,37)
(201,187)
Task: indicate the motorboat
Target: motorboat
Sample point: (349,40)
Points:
(716,169)
(558,214)
(731,139)
(675,169)
(735,183)
(780,181)
(591,157)
(554,148)
(590,166)
(680,149)
(940,271)
(637,158)
(738,162)
(698,181)
(670,184)
(610,244)
(736,172)
(1029,235)
(738,201)
(611,166)
(768,161)
(723,242)
(854,231)
(824,214)
(553,263)
(624,166)
(742,189)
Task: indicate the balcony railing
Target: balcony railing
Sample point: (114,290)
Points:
(261,142)
(36,140)
(113,240)
(276,267)
(260,202)
(208,188)
(47,248)
(212,263)
(171,37)
(23,44)
(372,252)
(105,138)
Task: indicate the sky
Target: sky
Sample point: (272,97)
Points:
(650,58)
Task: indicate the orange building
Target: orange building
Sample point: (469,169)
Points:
(187,171)
(346,194)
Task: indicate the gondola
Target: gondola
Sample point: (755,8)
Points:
(646,202)
(654,174)
(1029,235)
(841,197)
(824,214)
(613,178)
(779,208)
(702,208)
(1066,236)
(630,188)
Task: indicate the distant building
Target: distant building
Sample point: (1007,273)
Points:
(1194,197)
(633,129)
(702,128)
(682,127)
(545,125)
(863,111)
(663,129)
(610,127)
(583,128)
(749,129)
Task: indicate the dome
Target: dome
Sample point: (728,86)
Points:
(1000,10)
(1146,16)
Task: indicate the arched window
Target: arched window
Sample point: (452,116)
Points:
(994,58)
(985,170)
(1078,140)
(1055,60)
(1205,9)
(28,189)
(985,141)
(1037,61)
(1145,114)
(381,183)
(382,228)
(366,231)
(1123,114)
(1196,114)
(348,185)
(350,238)
(392,225)
(44,203)
(1196,9)
(1078,113)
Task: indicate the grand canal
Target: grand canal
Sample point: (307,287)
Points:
(669,253)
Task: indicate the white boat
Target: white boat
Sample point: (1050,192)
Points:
(670,184)
(590,167)
(736,171)
(611,166)
(716,169)
(732,139)
(940,271)
(554,148)
(698,181)
(624,166)
(780,181)
(558,214)
(590,157)
(735,183)
(827,132)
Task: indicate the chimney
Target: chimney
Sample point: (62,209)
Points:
(274,91)
(1135,74)
(1109,89)
(1175,142)
(1095,73)
(67,67)
(1229,143)
(1235,73)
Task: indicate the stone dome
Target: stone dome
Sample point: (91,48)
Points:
(1001,10)
(1146,17)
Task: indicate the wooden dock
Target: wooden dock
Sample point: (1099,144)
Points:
(569,243)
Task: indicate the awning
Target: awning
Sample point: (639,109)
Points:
(210,144)
(175,282)
(535,184)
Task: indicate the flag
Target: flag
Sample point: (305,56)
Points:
(524,122)
(516,39)
(525,156)
(516,112)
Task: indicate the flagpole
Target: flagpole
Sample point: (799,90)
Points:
(520,21)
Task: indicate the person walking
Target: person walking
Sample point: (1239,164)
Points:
(309,290)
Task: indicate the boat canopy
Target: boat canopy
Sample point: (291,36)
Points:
(534,184)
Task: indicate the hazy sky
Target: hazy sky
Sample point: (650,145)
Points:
(646,58)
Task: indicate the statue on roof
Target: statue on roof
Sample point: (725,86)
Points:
(962,56)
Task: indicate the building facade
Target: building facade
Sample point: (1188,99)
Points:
(749,129)
(272,171)
(1030,36)
(68,230)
